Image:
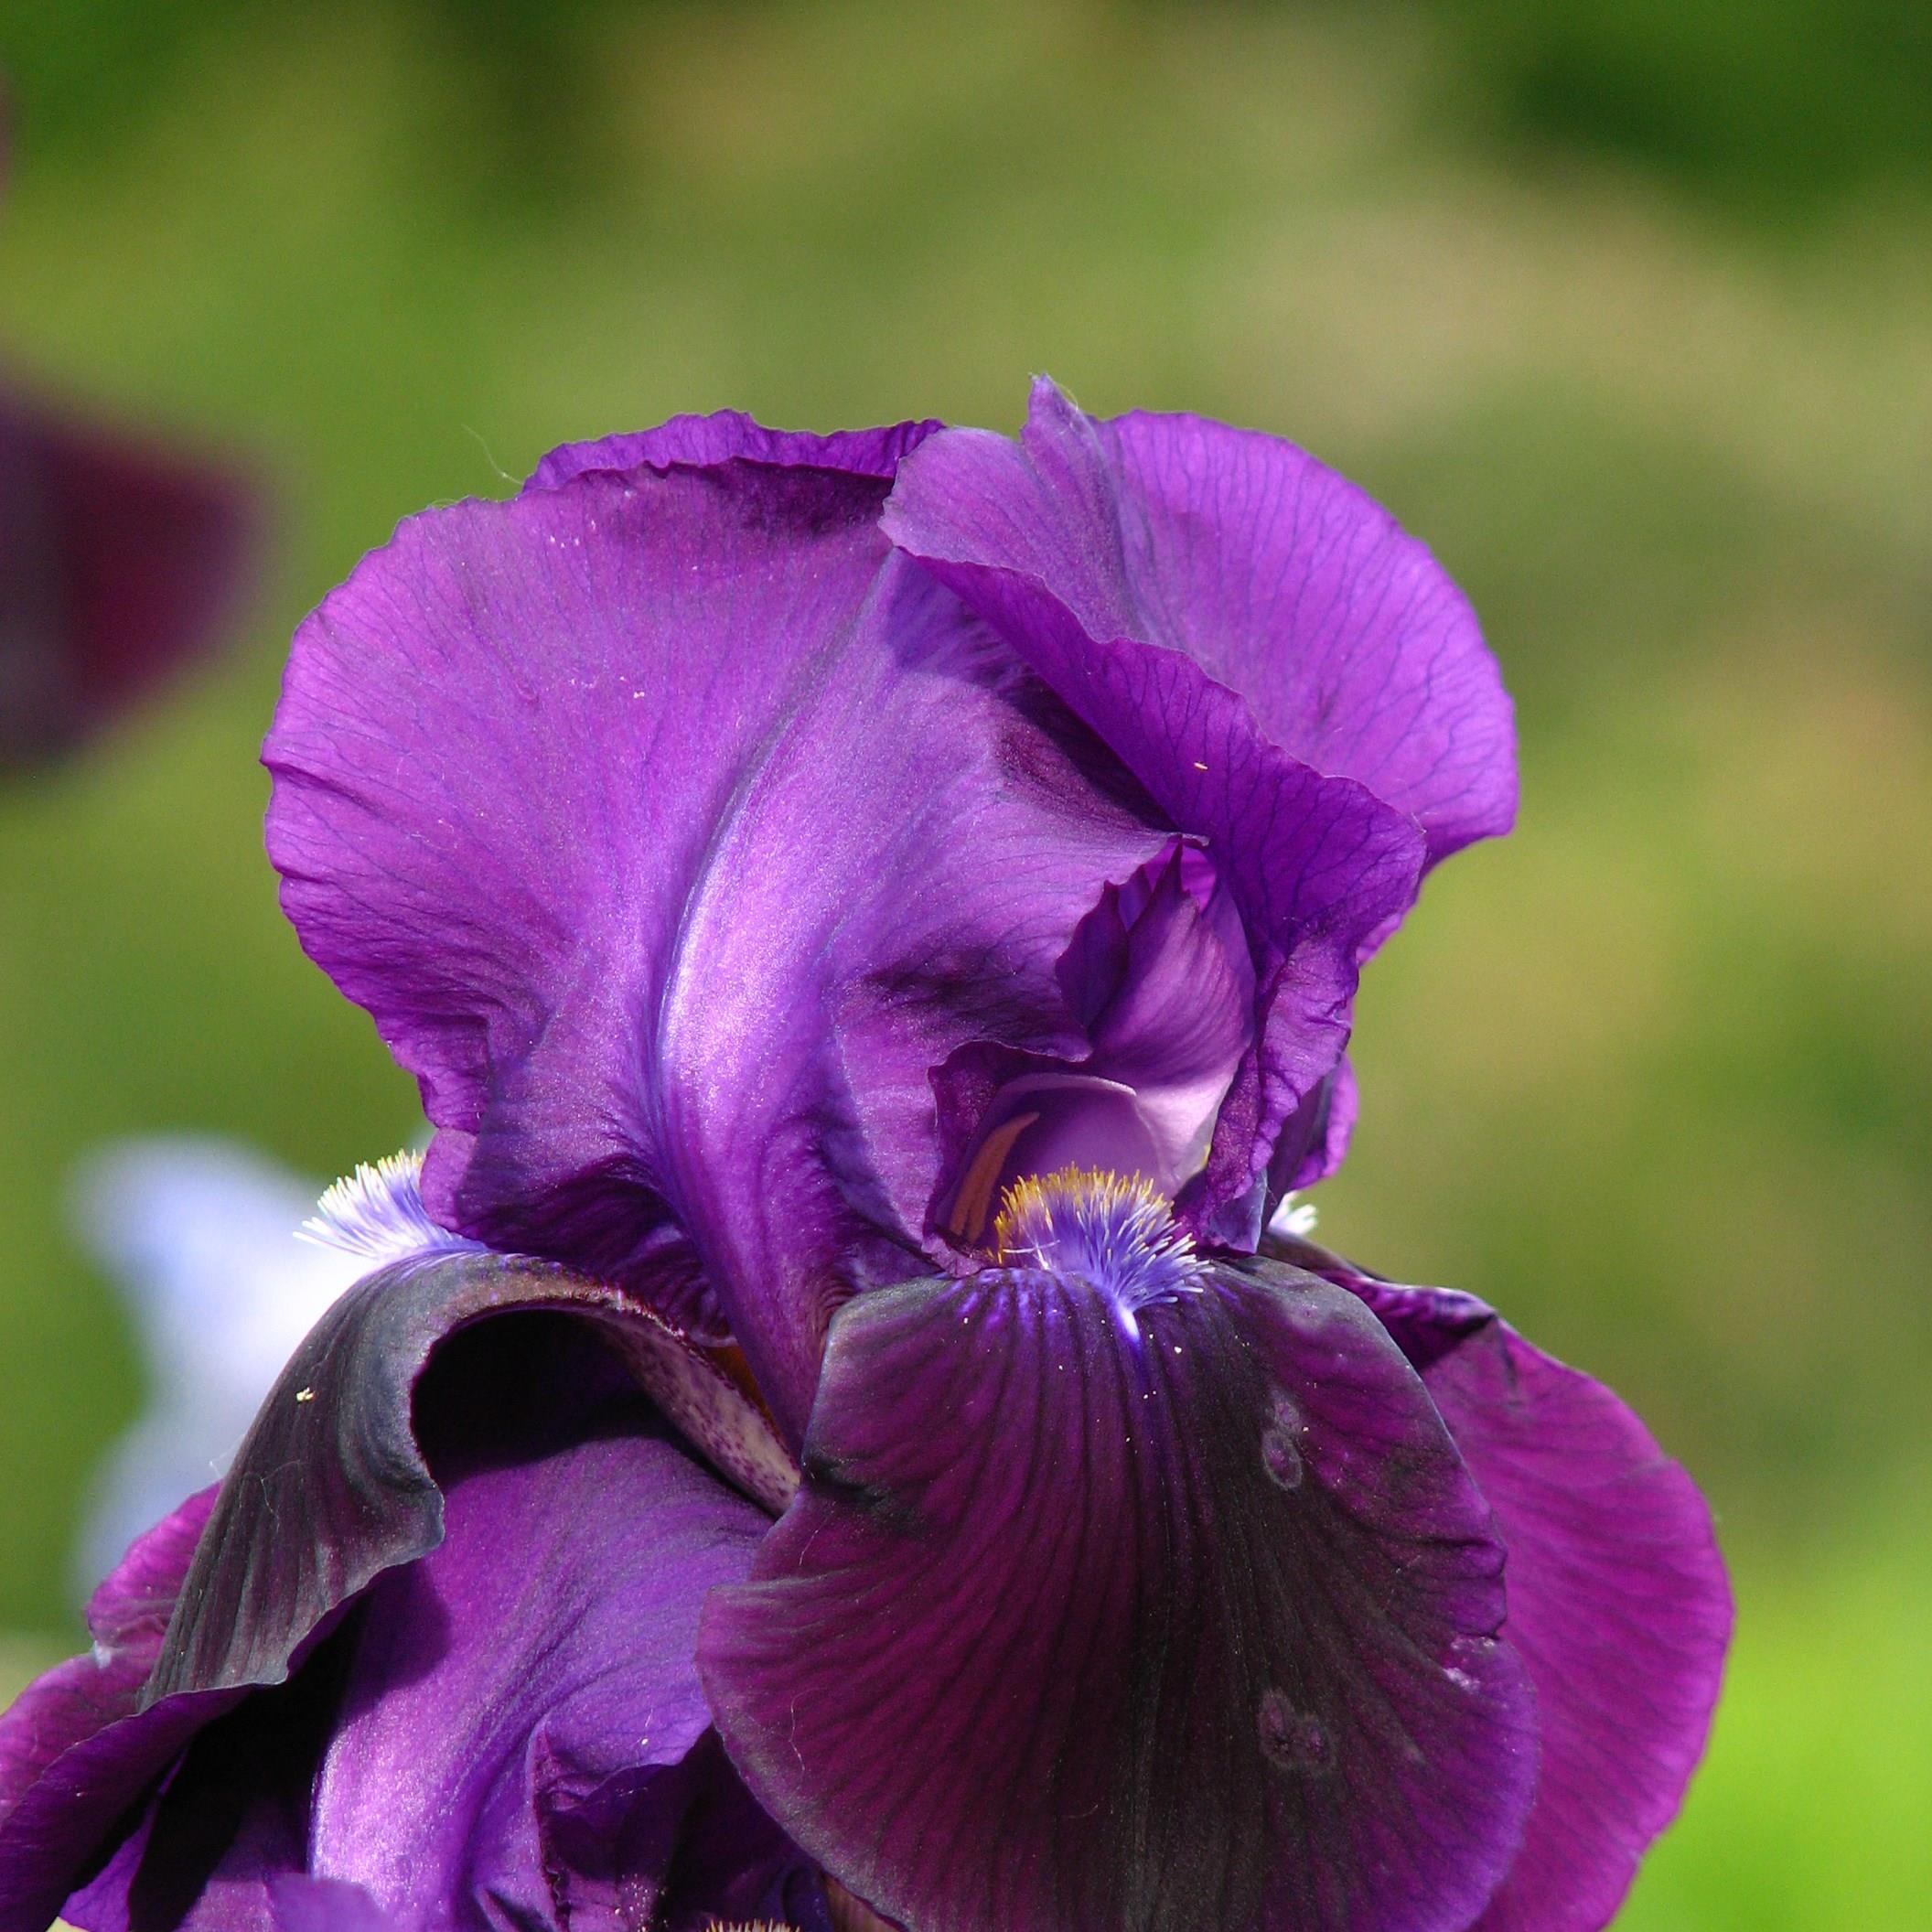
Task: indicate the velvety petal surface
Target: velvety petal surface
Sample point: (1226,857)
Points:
(120,560)
(1160,1610)
(1033,536)
(672,830)
(1618,1600)
(726,433)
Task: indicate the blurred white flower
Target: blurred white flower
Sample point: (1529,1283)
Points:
(202,1238)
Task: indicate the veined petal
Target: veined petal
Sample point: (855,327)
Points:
(1350,645)
(700,441)
(1155,1597)
(672,830)
(1618,1601)
(1289,585)
(1035,536)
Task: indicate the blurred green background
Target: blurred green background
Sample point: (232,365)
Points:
(1626,309)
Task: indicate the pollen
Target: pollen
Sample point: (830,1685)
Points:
(1116,1232)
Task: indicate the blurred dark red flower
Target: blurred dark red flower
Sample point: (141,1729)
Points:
(121,560)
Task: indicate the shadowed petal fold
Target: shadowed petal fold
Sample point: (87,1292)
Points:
(698,441)
(450,1747)
(543,1651)
(445,1604)
(1166,1613)
(672,830)
(1046,538)
(331,1486)
(1159,977)
(1618,1601)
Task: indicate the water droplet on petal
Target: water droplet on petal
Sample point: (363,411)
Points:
(1294,1740)
(1280,1454)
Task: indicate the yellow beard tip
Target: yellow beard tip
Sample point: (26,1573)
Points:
(1031,1205)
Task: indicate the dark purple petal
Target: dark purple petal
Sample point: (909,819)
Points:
(1172,1610)
(74,1749)
(673,831)
(450,1740)
(1312,1143)
(692,1840)
(119,561)
(1034,537)
(543,1649)
(331,1486)
(1618,1600)
(701,440)
(205,1843)
(1286,583)
(330,1489)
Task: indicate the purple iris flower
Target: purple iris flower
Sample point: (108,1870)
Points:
(120,560)
(874,919)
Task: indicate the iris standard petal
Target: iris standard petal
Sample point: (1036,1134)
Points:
(727,434)
(1033,535)
(1618,1600)
(1162,1609)
(1158,976)
(673,831)
(120,560)
(1351,646)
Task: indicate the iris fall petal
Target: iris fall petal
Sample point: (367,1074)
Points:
(1095,1613)
(1618,1600)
